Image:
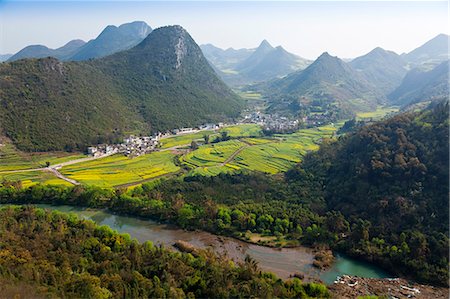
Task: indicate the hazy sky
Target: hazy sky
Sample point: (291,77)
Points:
(344,29)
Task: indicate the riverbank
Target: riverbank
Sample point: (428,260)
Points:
(354,287)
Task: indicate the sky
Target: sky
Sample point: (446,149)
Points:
(344,29)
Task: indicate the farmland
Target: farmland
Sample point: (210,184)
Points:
(119,170)
(244,130)
(378,114)
(29,178)
(247,150)
(12,159)
(185,139)
(269,155)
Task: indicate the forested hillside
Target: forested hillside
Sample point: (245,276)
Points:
(62,256)
(391,180)
(163,83)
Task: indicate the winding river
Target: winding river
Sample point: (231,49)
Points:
(282,262)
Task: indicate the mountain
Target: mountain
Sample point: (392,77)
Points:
(225,59)
(4,57)
(245,66)
(434,51)
(384,69)
(113,39)
(420,86)
(328,81)
(40,51)
(268,62)
(163,83)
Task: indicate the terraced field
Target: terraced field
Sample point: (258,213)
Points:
(378,114)
(184,139)
(119,170)
(12,159)
(269,155)
(266,154)
(30,178)
(244,130)
(212,154)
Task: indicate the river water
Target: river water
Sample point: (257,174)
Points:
(282,262)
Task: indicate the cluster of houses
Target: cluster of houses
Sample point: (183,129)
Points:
(272,122)
(134,146)
(131,146)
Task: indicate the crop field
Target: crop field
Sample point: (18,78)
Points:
(12,159)
(269,155)
(118,170)
(212,154)
(245,130)
(29,178)
(377,114)
(184,139)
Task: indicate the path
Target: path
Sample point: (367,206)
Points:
(233,155)
(61,176)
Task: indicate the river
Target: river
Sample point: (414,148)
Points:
(282,262)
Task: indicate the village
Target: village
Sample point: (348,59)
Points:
(134,146)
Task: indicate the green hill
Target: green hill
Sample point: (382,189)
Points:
(391,180)
(163,83)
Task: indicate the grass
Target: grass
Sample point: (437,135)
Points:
(378,114)
(119,170)
(12,159)
(30,178)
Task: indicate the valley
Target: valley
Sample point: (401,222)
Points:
(138,163)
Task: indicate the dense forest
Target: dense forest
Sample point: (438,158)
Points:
(390,180)
(380,194)
(63,256)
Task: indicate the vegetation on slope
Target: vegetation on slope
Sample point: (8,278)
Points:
(391,179)
(50,105)
(63,256)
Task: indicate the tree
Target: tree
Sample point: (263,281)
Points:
(206,138)
(194,145)
(47,164)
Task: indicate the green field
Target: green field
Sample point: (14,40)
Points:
(269,155)
(118,170)
(185,139)
(212,154)
(245,130)
(12,159)
(378,114)
(29,178)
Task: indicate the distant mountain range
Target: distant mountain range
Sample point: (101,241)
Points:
(420,86)
(432,52)
(384,69)
(39,51)
(4,57)
(328,83)
(111,40)
(162,83)
(244,66)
